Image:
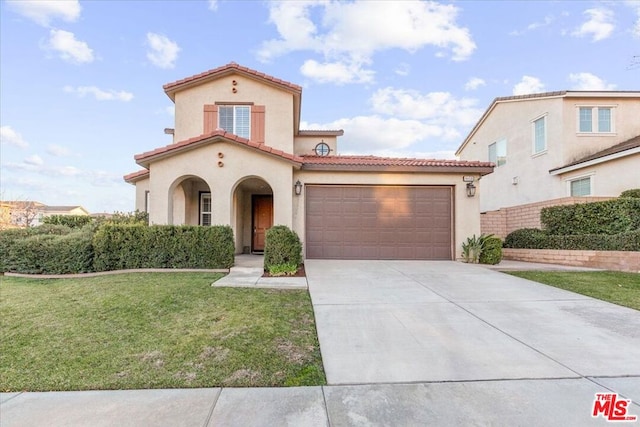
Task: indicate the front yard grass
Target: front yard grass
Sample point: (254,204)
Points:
(153,330)
(612,286)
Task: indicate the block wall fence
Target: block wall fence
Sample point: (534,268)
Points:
(505,220)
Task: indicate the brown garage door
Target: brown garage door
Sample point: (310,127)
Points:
(378,222)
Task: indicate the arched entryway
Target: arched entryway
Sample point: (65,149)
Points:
(253,213)
(190,201)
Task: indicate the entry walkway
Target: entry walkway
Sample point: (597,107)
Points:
(248,270)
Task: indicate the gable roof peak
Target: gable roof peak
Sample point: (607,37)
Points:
(232,67)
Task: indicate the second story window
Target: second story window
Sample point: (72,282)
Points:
(539,135)
(595,120)
(235,119)
(498,152)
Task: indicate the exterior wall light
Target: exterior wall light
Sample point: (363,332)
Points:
(298,188)
(471,189)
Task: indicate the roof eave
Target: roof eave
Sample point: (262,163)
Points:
(481,170)
(575,166)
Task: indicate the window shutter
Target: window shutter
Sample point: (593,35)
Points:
(257,123)
(210,118)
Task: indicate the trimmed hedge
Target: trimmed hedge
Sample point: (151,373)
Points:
(50,254)
(9,238)
(128,246)
(491,252)
(72,221)
(533,238)
(609,217)
(634,192)
(282,251)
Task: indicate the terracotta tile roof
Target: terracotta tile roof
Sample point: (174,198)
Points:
(136,176)
(618,148)
(321,132)
(391,163)
(226,69)
(145,158)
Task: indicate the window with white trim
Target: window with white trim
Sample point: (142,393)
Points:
(205,209)
(498,152)
(540,135)
(580,187)
(235,119)
(595,120)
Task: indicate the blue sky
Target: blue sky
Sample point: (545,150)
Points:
(81,81)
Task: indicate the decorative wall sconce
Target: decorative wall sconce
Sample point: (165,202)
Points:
(471,189)
(515,180)
(298,188)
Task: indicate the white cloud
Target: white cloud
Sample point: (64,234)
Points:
(8,136)
(34,160)
(213,5)
(163,52)
(58,150)
(43,12)
(588,81)
(99,94)
(336,72)
(474,83)
(599,26)
(69,48)
(528,85)
(635,6)
(404,122)
(548,20)
(352,32)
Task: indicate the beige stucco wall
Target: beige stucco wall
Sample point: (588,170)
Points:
(168,194)
(189,108)
(142,186)
(513,121)
(626,118)
(610,178)
(466,210)
(305,145)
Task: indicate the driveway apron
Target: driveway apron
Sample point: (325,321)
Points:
(438,321)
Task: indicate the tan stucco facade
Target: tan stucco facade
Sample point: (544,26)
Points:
(526,177)
(236,171)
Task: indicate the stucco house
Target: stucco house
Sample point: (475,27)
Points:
(239,158)
(557,145)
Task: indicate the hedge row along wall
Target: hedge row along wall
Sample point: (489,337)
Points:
(54,249)
(609,217)
(120,247)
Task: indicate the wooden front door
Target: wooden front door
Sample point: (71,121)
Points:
(262,220)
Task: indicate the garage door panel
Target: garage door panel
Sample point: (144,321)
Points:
(379,222)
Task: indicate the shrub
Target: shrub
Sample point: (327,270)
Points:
(608,217)
(71,221)
(52,254)
(528,238)
(471,249)
(282,251)
(8,239)
(531,238)
(125,246)
(634,193)
(491,251)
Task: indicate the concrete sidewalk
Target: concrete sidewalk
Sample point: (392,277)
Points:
(552,402)
(248,271)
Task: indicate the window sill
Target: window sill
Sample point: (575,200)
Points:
(541,153)
(596,134)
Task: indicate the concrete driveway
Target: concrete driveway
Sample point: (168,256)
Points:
(410,321)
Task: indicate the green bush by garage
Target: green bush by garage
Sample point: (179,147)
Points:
(282,251)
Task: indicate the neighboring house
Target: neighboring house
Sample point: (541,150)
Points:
(31,213)
(556,145)
(239,158)
(61,210)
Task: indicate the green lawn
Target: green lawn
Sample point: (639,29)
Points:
(153,330)
(612,286)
